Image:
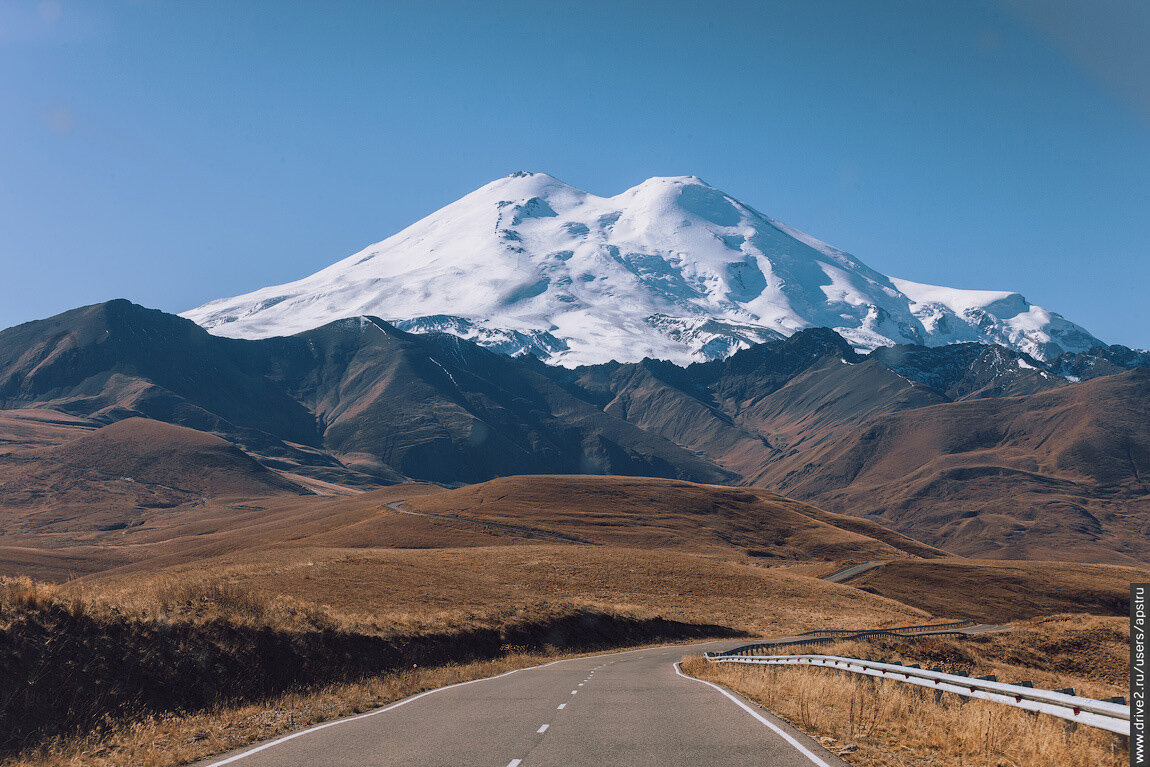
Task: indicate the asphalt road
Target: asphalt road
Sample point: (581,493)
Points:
(629,709)
(845,574)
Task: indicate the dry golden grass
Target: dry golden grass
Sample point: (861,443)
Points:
(88,680)
(404,593)
(1087,652)
(742,524)
(997,591)
(649,513)
(388,592)
(902,725)
(160,741)
(1092,648)
(166,598)
(428,588)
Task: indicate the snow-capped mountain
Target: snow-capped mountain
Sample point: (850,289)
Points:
(672,268)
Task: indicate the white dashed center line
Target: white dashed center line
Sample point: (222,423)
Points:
(514,763)
(574,691)
(561,706)
(543,728)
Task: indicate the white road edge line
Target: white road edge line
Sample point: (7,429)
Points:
(785,736)
(383,710)
(405,701)
(542,729)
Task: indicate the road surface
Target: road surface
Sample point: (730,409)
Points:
(629,709)
(845,574)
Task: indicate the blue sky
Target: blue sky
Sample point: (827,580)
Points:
(172,153)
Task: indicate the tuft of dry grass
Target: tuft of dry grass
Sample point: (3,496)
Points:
(881,723)
(26,594)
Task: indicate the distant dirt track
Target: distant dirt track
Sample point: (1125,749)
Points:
(530,532)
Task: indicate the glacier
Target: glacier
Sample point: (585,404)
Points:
(672,269)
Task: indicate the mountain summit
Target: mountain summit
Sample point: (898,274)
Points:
(672,269)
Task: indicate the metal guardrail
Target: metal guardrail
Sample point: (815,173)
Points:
(903,629)
(1107,715)
(837,635)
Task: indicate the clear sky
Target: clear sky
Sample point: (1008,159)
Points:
(175,152)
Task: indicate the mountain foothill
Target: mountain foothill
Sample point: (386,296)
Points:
(113,415)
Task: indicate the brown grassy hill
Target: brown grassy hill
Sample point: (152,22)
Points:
(998,591)
(454,587)
(157,453)
(57,547)
(106,477)
(29,428)
(243,584)
(1054,474)
(757,407)
(652,514)
(117,359)
(666,514)
(659,544)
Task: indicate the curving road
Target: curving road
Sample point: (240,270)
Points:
(851,571)
(627,709)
